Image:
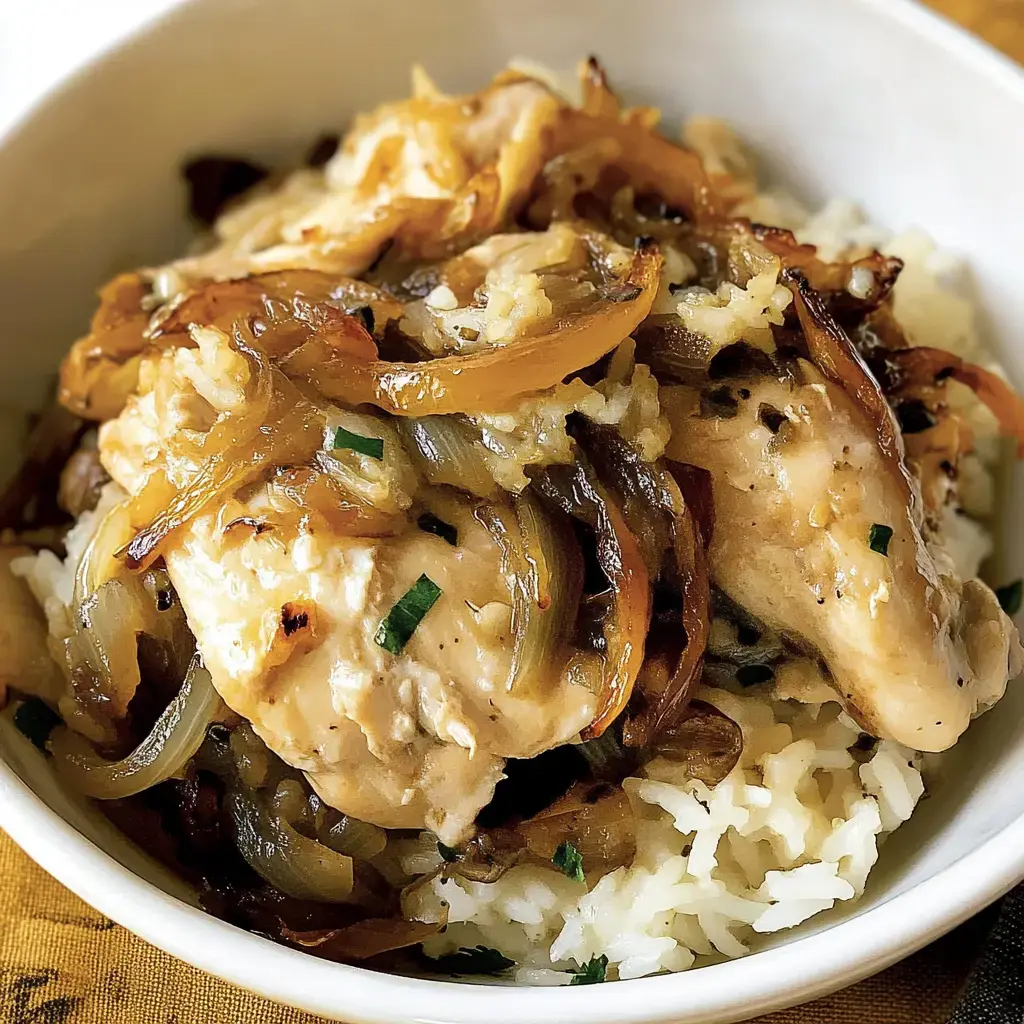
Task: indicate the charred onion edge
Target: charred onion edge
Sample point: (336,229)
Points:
(652,162)
(932,365)
(493,379)
(835,356)
(823,275)
(689,547)
(619,555)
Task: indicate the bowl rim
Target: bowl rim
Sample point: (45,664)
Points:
(842,954)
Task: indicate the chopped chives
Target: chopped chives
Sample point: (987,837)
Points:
(401,622)
(879,537)
(569,861)
(371,446)
(593,972)
(481,960)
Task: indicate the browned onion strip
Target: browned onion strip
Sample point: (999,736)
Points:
(689,550)
(101,369)
(651,161)
(362,940)
(839,361)
(822,275)
(90,384)
(932,365)
(574,490)
(307,296)
(492,379)
(595,817)
(23,500)
(277,427)
(707,741)
(544,568)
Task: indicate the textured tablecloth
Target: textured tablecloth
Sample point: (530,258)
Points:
(63,963)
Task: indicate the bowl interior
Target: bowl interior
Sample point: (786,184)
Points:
(844,99)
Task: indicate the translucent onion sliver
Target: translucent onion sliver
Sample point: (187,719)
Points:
(172,743)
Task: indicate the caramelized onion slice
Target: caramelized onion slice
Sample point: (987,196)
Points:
(835,276)
(90,382)
(309,494)
(362,940)
(705,740)
(307,296)
(163,754)
(446,451)
(835,356)
(651,161)
(689,551)
(574,490)
(277,427)
(542,563)
(595,817)
(932,365)
(491,379)
(291,862)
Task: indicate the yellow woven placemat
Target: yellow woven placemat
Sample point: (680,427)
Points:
(61,962)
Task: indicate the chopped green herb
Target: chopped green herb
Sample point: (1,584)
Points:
(481,960)
(371,446)
(1010,596)
(592,972)
(429,523)
(569,861)
(401,622)
(35,720)
(447,853)
(751,675)
(879,537)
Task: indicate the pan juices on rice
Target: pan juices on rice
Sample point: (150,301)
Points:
(497,551)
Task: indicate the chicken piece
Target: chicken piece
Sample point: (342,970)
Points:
(800,491)
(285,612)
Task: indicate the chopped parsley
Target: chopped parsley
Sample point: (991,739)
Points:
(593,972)
(35,720)
(401,622)
(569,861)
(371,446)
(481,960)
(429,523)
(1010,596)
(879,537)
(448,855)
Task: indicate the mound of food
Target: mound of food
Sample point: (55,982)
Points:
(497,550)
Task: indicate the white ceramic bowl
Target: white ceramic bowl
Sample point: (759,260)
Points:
(873,99)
